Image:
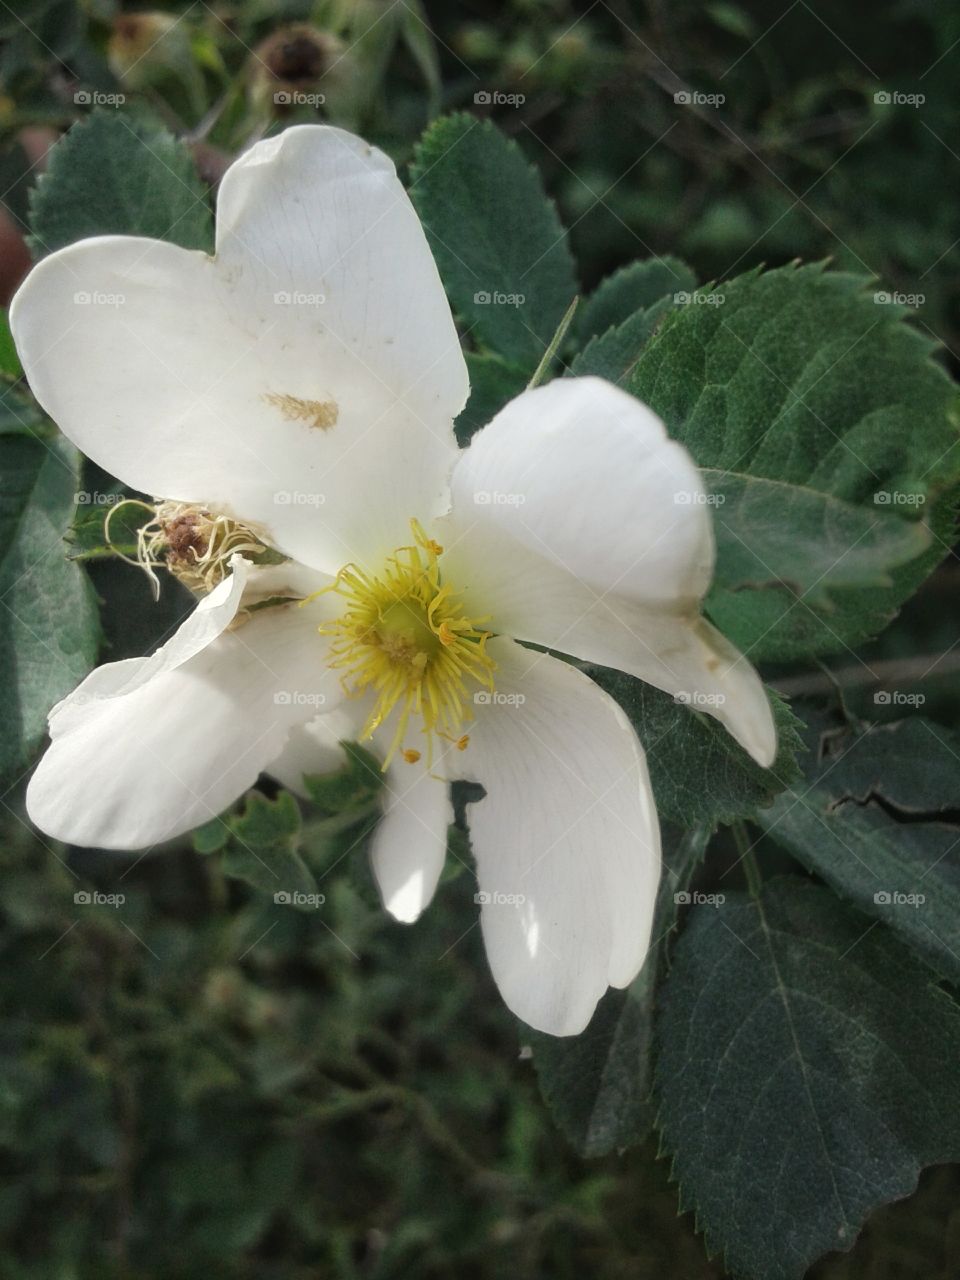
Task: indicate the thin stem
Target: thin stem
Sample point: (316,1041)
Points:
(745,849)
(551,351)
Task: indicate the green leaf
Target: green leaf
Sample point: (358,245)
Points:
(263,847)
(211,837)
(493,382)
(10,366)
(699,774)
(597,1084)
(88,537)
(631,289)
(614,353)
(876,818)
(786,554)
(807,1073)
(49,633)
(499,245)
(799,376)
(112,176)
(20,415)
(348,791)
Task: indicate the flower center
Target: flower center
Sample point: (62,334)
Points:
(403,636)
(194,544)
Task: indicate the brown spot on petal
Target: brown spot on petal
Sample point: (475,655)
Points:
(315,413)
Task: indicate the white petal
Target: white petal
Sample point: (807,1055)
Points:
(209,620)
(682,654)
(157,747)
(409,844)
(216,380)
(578,543)
(584,475)
(566,840)
(313,748)
(318,210)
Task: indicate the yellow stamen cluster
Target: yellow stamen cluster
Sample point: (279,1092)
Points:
(403,637)
(194,544)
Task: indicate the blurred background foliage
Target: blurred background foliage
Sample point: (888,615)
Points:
(201,1082)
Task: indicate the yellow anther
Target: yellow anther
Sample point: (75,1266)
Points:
(402,636)
(410,755)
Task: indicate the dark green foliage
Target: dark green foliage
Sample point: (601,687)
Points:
(510,277)
(877,815)
(114,176)
(699,774)
(808,1072)
(48,621)
(799,376)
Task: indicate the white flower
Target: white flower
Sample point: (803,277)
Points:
(302,385)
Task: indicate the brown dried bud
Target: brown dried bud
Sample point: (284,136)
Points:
(297,56)
(290,65)
(185,535)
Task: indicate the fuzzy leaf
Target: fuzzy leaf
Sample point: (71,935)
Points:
(876,817)
(631,289)
(807,1073)
(109,176)
(699,774)
(798,376)
(49,633)
(786,554)
(263,846)
(613,354)
(349,790)
(495,235)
